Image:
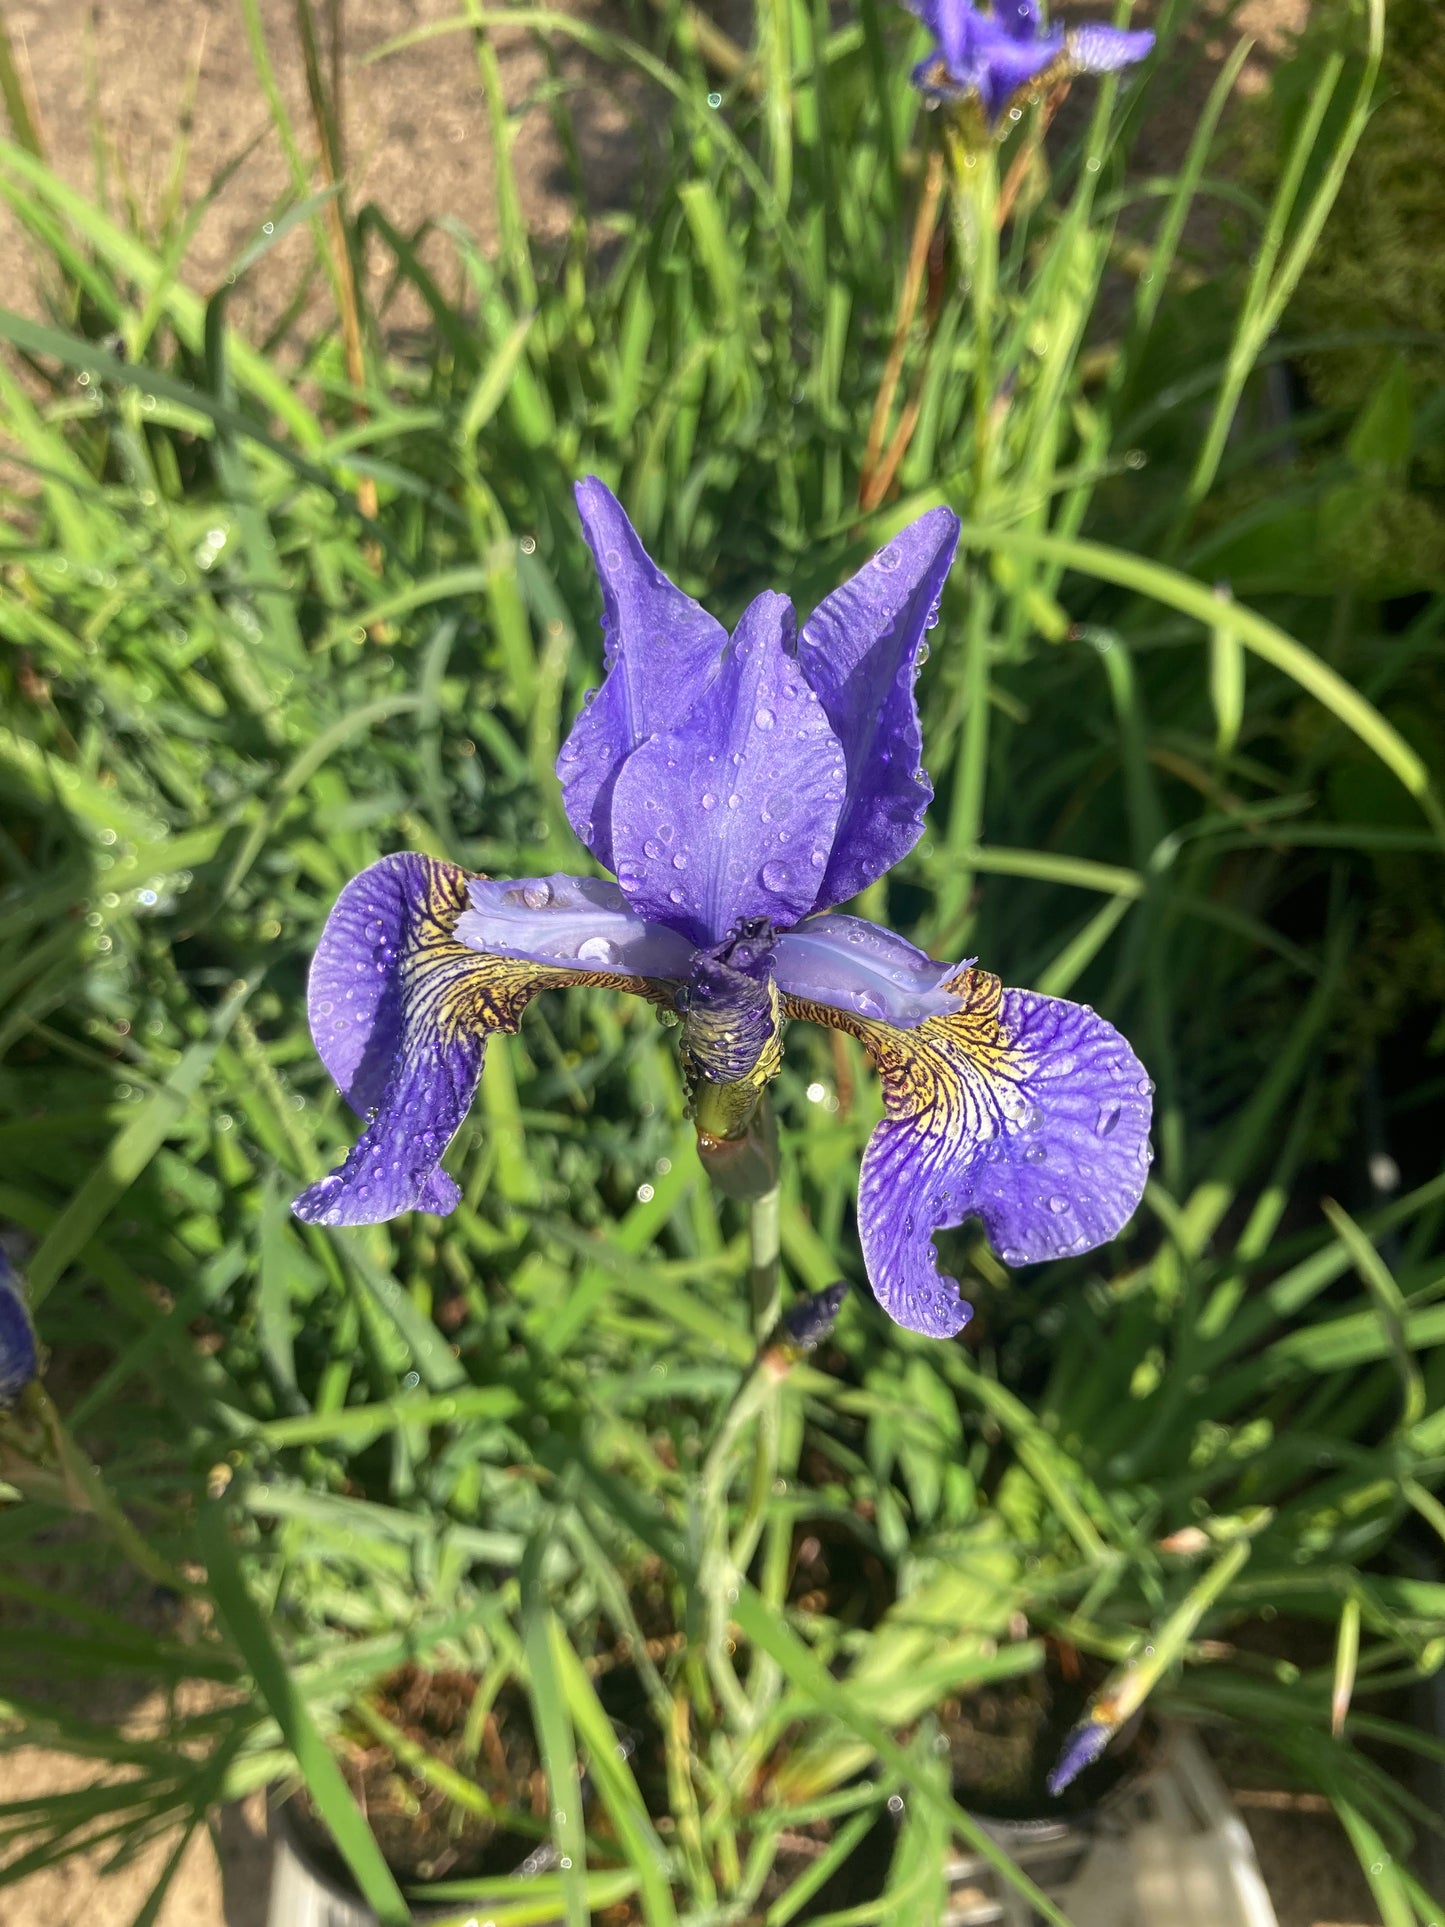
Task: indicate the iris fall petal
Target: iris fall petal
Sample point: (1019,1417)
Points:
(1027,1112)
(401,1011)
(1098,49)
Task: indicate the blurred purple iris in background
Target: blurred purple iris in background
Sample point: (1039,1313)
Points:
(993,56)
(737,788)
(18,1361)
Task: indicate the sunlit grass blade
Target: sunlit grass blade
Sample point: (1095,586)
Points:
(277,1685)
(1169,587)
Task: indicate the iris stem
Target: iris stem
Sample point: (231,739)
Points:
(723,1558)
(764,1278)
(64,1476)
(718,1573)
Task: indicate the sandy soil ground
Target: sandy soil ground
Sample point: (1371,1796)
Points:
(150,73)
(160,76)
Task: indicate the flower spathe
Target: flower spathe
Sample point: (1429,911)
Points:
(738,788)
(994,55)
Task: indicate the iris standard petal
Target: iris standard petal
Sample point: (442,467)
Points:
(400,1012)
(863,970)
(947,21)
(1027,1112)
(1099,49)
(660,648)
(1009,66)
(731,816)
(18,1361)
(564,919)
(1018,18)
(859,650)
(955,23)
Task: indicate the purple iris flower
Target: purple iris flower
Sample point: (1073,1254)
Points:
(738,788)
(994,56)
(17,1338)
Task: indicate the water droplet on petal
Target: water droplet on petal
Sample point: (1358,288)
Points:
(674,896)
(1106,1120)
(1023,1114)
(612,560)
(709,801)
(924,650)
(764,718)
(774,875)
(1036,1154)
(537,896)
(888,558)
(597,950)
(1058,1204)
(1145,1086)
(652,848)
(679,862)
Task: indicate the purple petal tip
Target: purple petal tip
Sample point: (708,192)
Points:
(1082,1747)
(18,1362)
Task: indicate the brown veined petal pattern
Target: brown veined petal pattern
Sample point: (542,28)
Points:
(1027,1112)
(401,1012)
